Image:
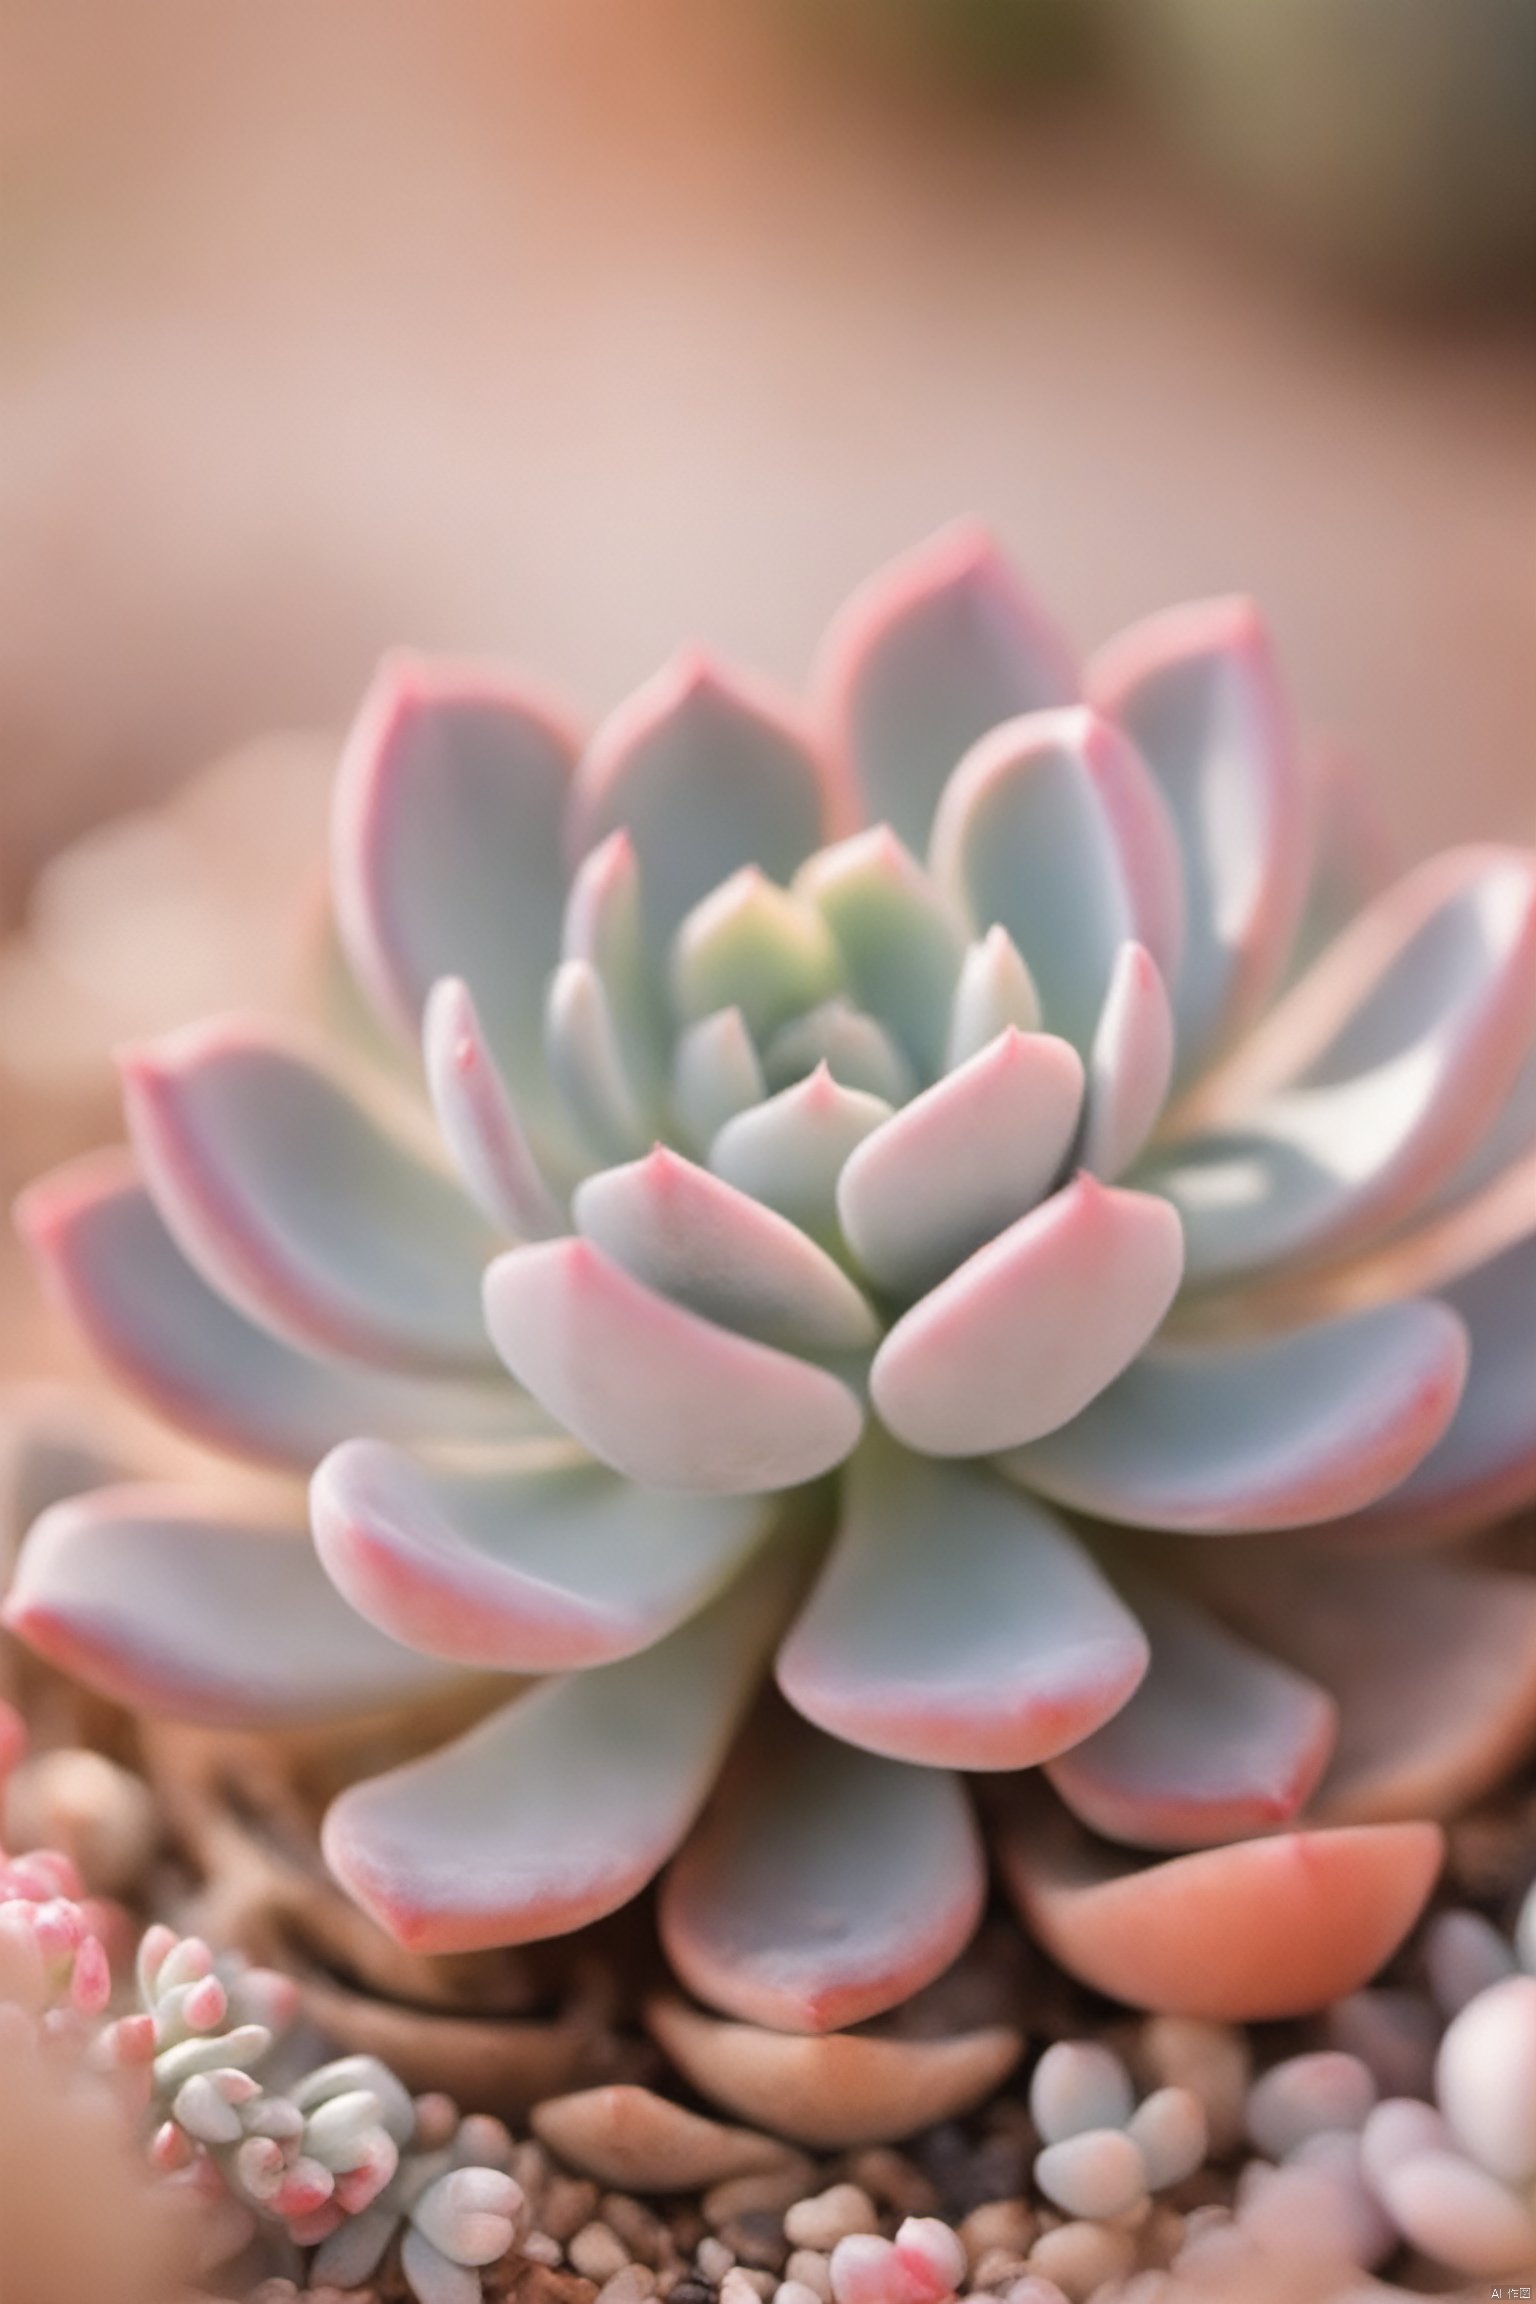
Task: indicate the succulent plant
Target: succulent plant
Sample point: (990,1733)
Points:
(853,1197)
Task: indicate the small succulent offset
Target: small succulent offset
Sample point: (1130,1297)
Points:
(917,1189)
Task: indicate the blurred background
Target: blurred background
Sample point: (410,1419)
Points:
(564,330)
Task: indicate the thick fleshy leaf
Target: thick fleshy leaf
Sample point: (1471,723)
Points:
(1386,1107)
(789,1151)
(994,991)
(448,857)
(1026,1333)
(1485,1465)
(822,1884)
(1433,1665)
(901,945)
(858,1052)
(755,947)
(562,1806)
(1198,691)
(696,1239)
(1228,1436)
(956,1624)
(478,1119)
(707,774)
(586,1063)
(291,1198)
(654,1390)
(1130,1065)
(1255,1930)
(1486,2079)
(635,2140)
(544,1564)
(1217,1742)
(957,1165)
(168,1603)
(715,1075)
(604,925)
(1052,828)
(165,1334)
(839,2089)
(924,659)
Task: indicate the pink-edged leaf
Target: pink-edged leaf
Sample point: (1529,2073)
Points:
(789,1150)
(605,927)
(1485,1466)
(858,1052)
(1217,1742)
(1024,1335)
(1353,852)
(192,1358)
(994,991)
(1432,1664)
(547,1563)
(292,1198)
(560,1807)
(1224,1437)
(927,656)
(171,1603)
(822,1884)
(901,944)
(722,1254)
(1197,690)
(654,1390)
(1052,828)
(1256,1930)
(479,1120)
(1130,1065)
(1380,1101)
(961,1162)
(707,772)
(447,851)
(834,2090)
(956,1624)
(715,1075)
(586,1060)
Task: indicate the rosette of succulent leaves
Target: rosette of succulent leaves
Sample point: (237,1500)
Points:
(954,1199)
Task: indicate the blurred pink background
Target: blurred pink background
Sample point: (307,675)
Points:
(565,330)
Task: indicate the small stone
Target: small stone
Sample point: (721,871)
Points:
(540,2248)
(1079,2085)
(796,2292)
(1033,2289)
(1082,2257)
(1214,2060)
(1463,1954)
(690,2289)
(1008,2226)
(99,1815)
(1305,2096)
(997,2268)
(756,2238)
(596,2252)
(1097,2172)
(763,2284)
(633,2285)
(1169,2130)
(827,2217)
(568,2203)
(774,2189)
(811,2268)
(530,2166)
(890,2177)
(541,2284)
(713,2259)
(640,2228)
(737,2288)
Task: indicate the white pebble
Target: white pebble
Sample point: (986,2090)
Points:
(1035,2289)
(1306,2095)
(1097,2173)
(830,2216)
(1079,2085)
(1171,2133)
(1340,2158)
(1212,2059)
(1399,2130)
(1486,2078)
(713,2259)
(1463,1954)
(1457,2212)
(738,2288)
(811,2268)
(796,2292)
(597,2252)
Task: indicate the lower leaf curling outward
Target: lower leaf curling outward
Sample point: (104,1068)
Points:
(877,1325)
